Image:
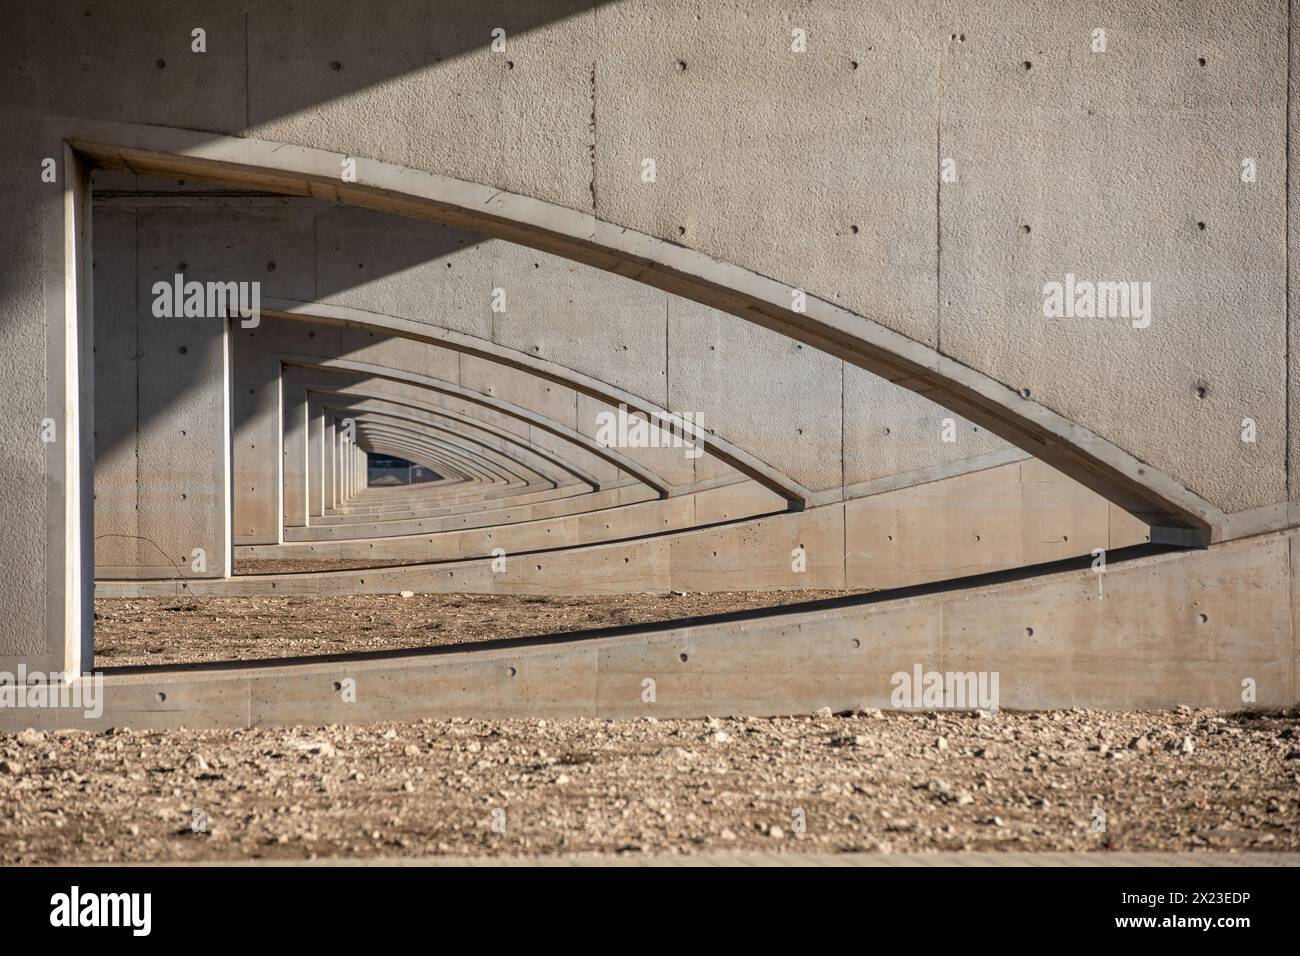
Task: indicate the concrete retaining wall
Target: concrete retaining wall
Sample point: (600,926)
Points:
(1209,628)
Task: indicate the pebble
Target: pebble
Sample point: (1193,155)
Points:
(426,794)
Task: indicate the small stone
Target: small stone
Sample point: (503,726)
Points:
(824,713)
(964,798)
(1189,745)
(1141,744)
(721,737)
(408,594)
(727,835)
(317,748)
(941,743)
(10,767)
(562,779)
(776,833)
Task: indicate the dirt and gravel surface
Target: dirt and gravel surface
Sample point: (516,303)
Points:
(135,631)
(902,783)
(307,565)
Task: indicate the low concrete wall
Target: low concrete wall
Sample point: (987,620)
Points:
(590,526)
(792,550)
(1187,627)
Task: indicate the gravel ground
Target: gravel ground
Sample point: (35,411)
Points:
(1069,780)
(304,565)
(131,631)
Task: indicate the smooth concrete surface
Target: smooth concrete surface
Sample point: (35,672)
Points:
(1182,627)
(162,474)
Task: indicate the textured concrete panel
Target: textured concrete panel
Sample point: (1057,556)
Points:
(555,402)
(889,431)
(165,447)
(1118,166)
(396,266)
(434,96)
(603,325)
(116,373)
(825,157)
(759,390)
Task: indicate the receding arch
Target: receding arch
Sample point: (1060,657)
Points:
(612,455)
(450,420)
(1174,511)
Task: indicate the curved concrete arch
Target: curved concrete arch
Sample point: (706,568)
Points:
(389,443)
(418,456)
(328,396)
(478,466)
(550,464)
(465,465)
(444,430)
(295,503)
(421,455)
(474,468)
(733,455)
(456,420)
(612,455)
(481,467)
(1174,511)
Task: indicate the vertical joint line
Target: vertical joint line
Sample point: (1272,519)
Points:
(938,230)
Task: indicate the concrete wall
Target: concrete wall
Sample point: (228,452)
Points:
(1001,518)
(607,326)
(815,169)
(162,475)
(1202,628)
(811,417)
